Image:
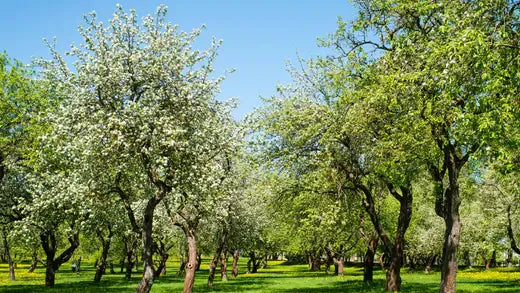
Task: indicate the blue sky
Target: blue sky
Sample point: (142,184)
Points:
(259,37)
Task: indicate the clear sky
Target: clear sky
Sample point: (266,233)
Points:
(259,37)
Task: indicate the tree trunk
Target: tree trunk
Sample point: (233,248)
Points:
(49,274)
(223,266)
(340,266)
(451,240)
(191,266)
(182,267)
(212,268)
(368,271)
(34,261)
(235,263)
(129,265)
(330,260)
(491,263)
(314,261)
(102,263)
(8,256)
(49,244)
(431,262)
(394,250)
(447,205)
(199,261)
(148,272)
(393,277)
(163,252)
(382,263)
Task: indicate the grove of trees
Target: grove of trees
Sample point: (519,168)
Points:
(398,148)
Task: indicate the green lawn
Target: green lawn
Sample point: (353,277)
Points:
(277,277)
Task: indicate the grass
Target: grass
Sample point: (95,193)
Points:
(277,277)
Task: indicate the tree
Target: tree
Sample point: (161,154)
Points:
(21,101)
(143,101)
(445,62)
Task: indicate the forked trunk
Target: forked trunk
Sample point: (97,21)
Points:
(191,266)
(49,244)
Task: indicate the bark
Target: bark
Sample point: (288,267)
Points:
(382,263)
(368,271)
(191,266)
(223,266)
(395,249)
(447,205)
(330,260)
(148,272)
(393,277)
(212,268)
(314,261)
(492,262)
(199,261)
(253,263)
(163,253)
(235,264)
(34,261)
(102,263)
(49,244)
(9,259)
(340,265)
(126,262)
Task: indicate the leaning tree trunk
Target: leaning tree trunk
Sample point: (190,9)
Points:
(148,272)
(191,266)
(8,256)
(102,263)
(368,270)
(223,266)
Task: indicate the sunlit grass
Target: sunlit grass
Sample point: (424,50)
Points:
(277,277)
